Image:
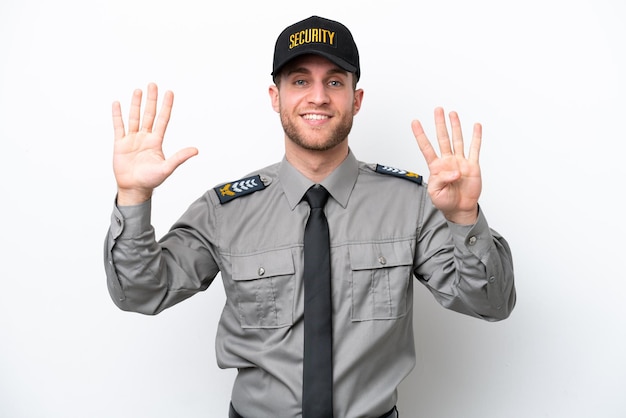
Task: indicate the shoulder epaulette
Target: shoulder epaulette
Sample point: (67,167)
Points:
(407,175)
(235,189)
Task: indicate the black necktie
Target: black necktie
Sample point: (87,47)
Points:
(317,393)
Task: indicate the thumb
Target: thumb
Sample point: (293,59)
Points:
(443,179)
(180,157)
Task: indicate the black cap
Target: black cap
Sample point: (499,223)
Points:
(319,36)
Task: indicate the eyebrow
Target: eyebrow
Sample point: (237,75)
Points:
(304,70)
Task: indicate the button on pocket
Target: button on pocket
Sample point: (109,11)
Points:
(381,274)
(264,285)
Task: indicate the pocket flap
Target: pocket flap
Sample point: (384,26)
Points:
(376,255)
(262,265)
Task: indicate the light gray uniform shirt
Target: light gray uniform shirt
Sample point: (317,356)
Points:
(383,230)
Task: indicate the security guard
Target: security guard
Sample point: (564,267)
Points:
(386,226)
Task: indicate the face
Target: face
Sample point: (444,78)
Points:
(317,102)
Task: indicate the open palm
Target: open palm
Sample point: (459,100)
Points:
(455,181)
(139,164)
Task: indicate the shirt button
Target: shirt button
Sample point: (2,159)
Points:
(492,279)
(472,240)
(261,271)
(382,260)
(118,221)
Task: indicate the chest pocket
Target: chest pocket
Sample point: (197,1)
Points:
(381,276)
(264,286)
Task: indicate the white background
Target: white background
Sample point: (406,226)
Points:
(546,79)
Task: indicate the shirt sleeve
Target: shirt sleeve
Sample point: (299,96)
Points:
(468,268)
(147,276)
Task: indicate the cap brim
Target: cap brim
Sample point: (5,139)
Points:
(335,60)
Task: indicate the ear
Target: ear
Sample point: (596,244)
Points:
(358,100)
(275,98)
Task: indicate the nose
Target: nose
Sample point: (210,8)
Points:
(318,94)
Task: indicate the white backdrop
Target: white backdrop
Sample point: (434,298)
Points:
(545,77)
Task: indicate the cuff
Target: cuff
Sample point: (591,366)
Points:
(130,221)
(475,239)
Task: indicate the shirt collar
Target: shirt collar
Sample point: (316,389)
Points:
(339,183)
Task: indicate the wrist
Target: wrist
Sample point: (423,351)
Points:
(130,197)
(463,217)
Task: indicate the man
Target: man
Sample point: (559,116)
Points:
(384,225)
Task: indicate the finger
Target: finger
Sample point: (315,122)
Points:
(164,114)
(457,135)
(423,143)
(180,157)
(474,152)
(442,132)
(118,121)
(443,179)
(149,112)
(135,110)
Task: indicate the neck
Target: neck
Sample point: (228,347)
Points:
(316,165)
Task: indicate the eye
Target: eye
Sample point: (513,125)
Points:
(335,83)
(300,82)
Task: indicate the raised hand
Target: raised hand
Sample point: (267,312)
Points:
(455,181)
(138,161)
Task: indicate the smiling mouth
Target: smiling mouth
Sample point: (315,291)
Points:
(311,116)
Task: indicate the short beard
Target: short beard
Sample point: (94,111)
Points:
(339,135)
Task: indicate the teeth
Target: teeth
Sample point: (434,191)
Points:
(314,117)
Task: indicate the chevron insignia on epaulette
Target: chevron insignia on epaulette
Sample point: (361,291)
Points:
(230,191)
(416,178)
